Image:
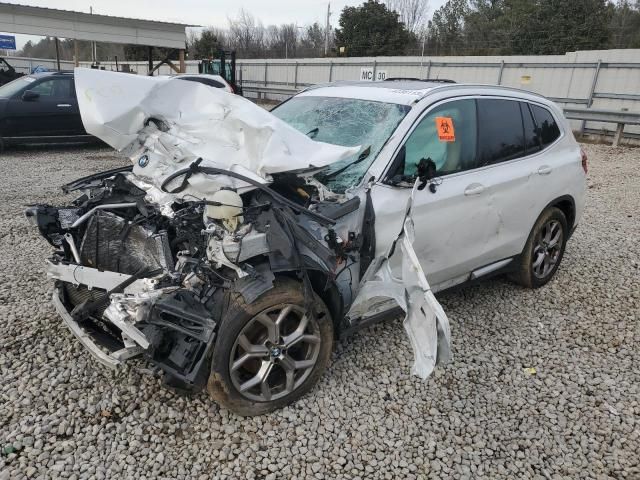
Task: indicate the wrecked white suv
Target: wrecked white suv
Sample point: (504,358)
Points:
(241,243)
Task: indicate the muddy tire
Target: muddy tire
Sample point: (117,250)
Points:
(269,353)
(544,249)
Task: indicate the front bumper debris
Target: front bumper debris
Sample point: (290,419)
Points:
(112,359)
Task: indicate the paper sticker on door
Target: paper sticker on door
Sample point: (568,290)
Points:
(446,132)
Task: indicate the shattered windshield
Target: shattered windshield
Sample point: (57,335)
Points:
(348,122)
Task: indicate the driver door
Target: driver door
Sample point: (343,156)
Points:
(455,223)
(53,112)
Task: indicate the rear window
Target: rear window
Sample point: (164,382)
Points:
(548,129)
(501,131)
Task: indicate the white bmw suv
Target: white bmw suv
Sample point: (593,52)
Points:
(240,243)
(507,177)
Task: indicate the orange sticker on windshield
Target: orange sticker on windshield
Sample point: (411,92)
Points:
(446,133)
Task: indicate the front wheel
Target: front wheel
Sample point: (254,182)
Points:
(271,352)
(544,249)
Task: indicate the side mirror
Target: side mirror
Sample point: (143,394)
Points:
(426,172)
(30,95)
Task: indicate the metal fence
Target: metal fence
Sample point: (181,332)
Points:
(598,79)
(603,80)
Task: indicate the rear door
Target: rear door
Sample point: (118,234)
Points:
(510,151)
(53,113)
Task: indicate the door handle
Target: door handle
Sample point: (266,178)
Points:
(544,170)
(474,189)
(64,105)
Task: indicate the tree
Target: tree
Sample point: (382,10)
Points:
(625,25)
(204,46)
(447,28)
(413,13)
(372,29)
(521,27)
(313,40)
(246,35)
(560,26)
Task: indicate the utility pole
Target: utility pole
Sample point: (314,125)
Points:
(425,35)
(94,51)
(57,53)
(326,31)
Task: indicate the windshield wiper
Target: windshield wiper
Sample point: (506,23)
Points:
(313,133)
(363,156)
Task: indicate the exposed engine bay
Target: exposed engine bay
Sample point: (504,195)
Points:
(148,257)
(141,280)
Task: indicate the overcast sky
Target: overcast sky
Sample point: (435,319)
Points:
(205,12)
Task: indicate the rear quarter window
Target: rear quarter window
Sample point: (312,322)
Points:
(548,129)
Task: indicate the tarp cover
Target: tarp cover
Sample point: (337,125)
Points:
(225,130)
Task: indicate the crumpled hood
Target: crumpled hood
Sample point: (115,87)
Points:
(198,121)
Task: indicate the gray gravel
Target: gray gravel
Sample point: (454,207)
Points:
(63,416)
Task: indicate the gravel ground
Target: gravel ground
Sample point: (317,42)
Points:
(484,415)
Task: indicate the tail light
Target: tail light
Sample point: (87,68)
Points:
(585,164)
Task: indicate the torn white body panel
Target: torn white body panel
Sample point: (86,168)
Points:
(425,322)
(196,121)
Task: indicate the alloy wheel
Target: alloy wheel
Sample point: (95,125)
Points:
(547,249)
(274,352)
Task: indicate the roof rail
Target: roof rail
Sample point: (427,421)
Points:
(412,79)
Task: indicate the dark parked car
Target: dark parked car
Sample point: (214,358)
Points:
(40,108)
(7,72)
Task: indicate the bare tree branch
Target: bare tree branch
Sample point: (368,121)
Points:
(413,13)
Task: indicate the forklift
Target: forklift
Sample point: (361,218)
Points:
(7,72)
(225,66)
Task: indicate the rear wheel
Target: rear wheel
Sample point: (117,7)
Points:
(271,352)
(544,249)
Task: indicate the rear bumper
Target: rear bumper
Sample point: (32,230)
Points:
(111,359)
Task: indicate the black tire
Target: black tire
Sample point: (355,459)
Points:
(221,384)
(528,275)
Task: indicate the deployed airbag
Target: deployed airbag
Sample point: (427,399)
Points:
(164,123)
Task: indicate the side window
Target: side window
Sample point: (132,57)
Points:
(501,131)
(531,138)
(54,88)
(548,129)
(447,136)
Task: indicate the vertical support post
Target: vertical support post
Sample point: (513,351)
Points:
(618,136)
(295,76)
(594,83)
(266,65)
(326,31)
(429,70)
(500,73)
(57,53)
(150,58)
(183,67)
(331,70)
(375,69)
(76,52)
